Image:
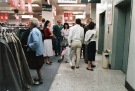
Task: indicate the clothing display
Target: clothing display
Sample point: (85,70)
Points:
(14,70)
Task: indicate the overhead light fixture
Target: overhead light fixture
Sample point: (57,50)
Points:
(7,11)
(67,1)
(27,16)
(72,5)
(78,12)
(33,5)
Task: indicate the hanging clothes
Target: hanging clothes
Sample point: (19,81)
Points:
(14,70)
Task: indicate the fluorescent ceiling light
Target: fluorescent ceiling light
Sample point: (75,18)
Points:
(7,11)
(27,16)
(80,16)
(33,5)
(67,1)
(72,5)
(78,12)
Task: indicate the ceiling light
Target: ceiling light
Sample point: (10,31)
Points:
(67,1)
(33,5)
(78,12)
(73,5)
(27,16)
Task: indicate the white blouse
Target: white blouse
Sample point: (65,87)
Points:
(65,33)
(89,34)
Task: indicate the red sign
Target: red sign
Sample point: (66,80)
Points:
(65,14)
(6,17)
(3,16)
(68,16)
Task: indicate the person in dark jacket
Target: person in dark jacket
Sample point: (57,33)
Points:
(24,40)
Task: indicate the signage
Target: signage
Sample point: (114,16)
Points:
(90,1)
(109,11)
(46,7)
(3,16)
(68,16)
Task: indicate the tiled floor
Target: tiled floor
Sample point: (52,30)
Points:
(83,80)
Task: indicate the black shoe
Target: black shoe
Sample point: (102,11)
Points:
(66,62)
(56,54)
(59,60)
(37,79)
(89,69)
(77,67)
(72,67)
(38,83)
(93,66)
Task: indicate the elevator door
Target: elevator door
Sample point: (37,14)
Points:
(127,38)
(101,33)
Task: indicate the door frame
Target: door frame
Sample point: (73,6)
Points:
(101,37)
(117,48)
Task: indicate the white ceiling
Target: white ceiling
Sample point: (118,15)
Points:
(6,6)
(62,9)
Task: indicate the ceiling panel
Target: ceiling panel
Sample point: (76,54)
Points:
(62,9)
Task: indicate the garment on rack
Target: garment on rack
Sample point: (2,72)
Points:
(14,71)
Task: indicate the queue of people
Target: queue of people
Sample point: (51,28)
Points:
(62,41)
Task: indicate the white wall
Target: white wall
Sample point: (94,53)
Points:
(48,15)
(131,60)
(108,37)
(93,12)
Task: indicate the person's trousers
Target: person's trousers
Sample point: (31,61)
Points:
(58,46)
(86,54)
(76,48)
(83,49)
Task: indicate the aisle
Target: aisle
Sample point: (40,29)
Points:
(84,80)
(49,73)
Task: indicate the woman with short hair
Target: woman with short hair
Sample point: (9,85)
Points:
(91,47)
(35,49)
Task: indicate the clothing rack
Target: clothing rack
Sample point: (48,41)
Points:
(14,70)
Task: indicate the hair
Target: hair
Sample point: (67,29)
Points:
(58,21)
(34,21)
(91,25)
(78,21)
(43,19)
(88,20)
(67,25)
(46,23)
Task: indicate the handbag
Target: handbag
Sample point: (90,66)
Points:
(87,42)
(64,42)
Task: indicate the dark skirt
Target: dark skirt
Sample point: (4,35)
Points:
(35,62)
(91,50)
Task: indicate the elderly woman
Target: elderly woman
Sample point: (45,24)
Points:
(35,48)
